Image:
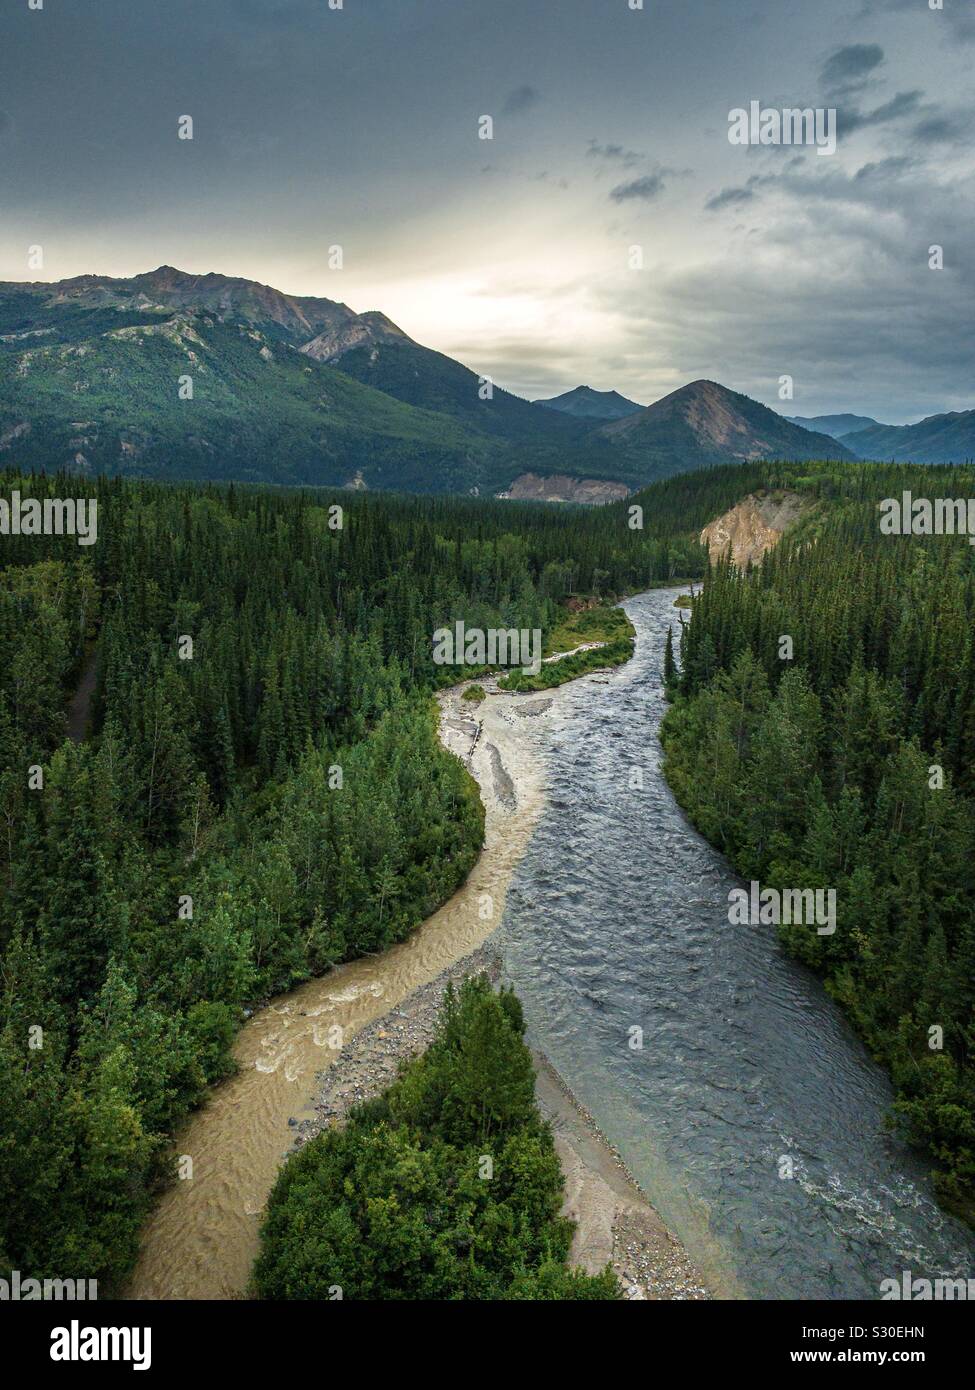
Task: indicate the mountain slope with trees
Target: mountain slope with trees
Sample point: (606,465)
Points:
(948,438)
(704,424)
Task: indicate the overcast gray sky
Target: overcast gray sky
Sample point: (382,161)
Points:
(316,126)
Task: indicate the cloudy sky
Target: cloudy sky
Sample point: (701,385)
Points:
(358,126)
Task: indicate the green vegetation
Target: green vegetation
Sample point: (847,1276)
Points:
(570,667)
(287,779)
(599,623)
(474,694)
(604,624)
(822,771)
(447,1186)
(284,418)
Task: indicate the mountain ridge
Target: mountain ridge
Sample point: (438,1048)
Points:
(587,404)
(179,375)
(705,422)
(301,389)
(837,426)
(948,437)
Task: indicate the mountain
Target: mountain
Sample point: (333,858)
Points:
(704,423)
(587,404)
(179,376)
(75,307)
(428,380)
(836,425)
(95,375)
(948,438)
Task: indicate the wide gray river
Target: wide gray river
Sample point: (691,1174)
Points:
(617,920)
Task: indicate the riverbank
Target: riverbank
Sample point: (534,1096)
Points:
(742,1069)
(202,1238)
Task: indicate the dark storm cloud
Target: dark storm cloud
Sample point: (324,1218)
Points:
(614,154)
(522,99)
(883,169)
(899,106)
(881,332)
(642,190)
(849,67)
(4,122)
(882,184)
(942,129)
(729,197)
(735,197)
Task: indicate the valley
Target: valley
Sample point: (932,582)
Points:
(718,1116)
(487,674)
(333,856)
(202,1240)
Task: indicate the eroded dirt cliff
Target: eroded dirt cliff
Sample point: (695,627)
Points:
(752,527)
(559,488)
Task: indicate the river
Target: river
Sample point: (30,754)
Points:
(613,916)
(617,919)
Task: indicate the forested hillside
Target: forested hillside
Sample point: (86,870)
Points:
(246,810)
(852,766)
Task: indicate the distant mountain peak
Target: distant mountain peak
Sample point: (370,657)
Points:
(839,426)
(169,276)
(705,422)
(939,439)
(588,404)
